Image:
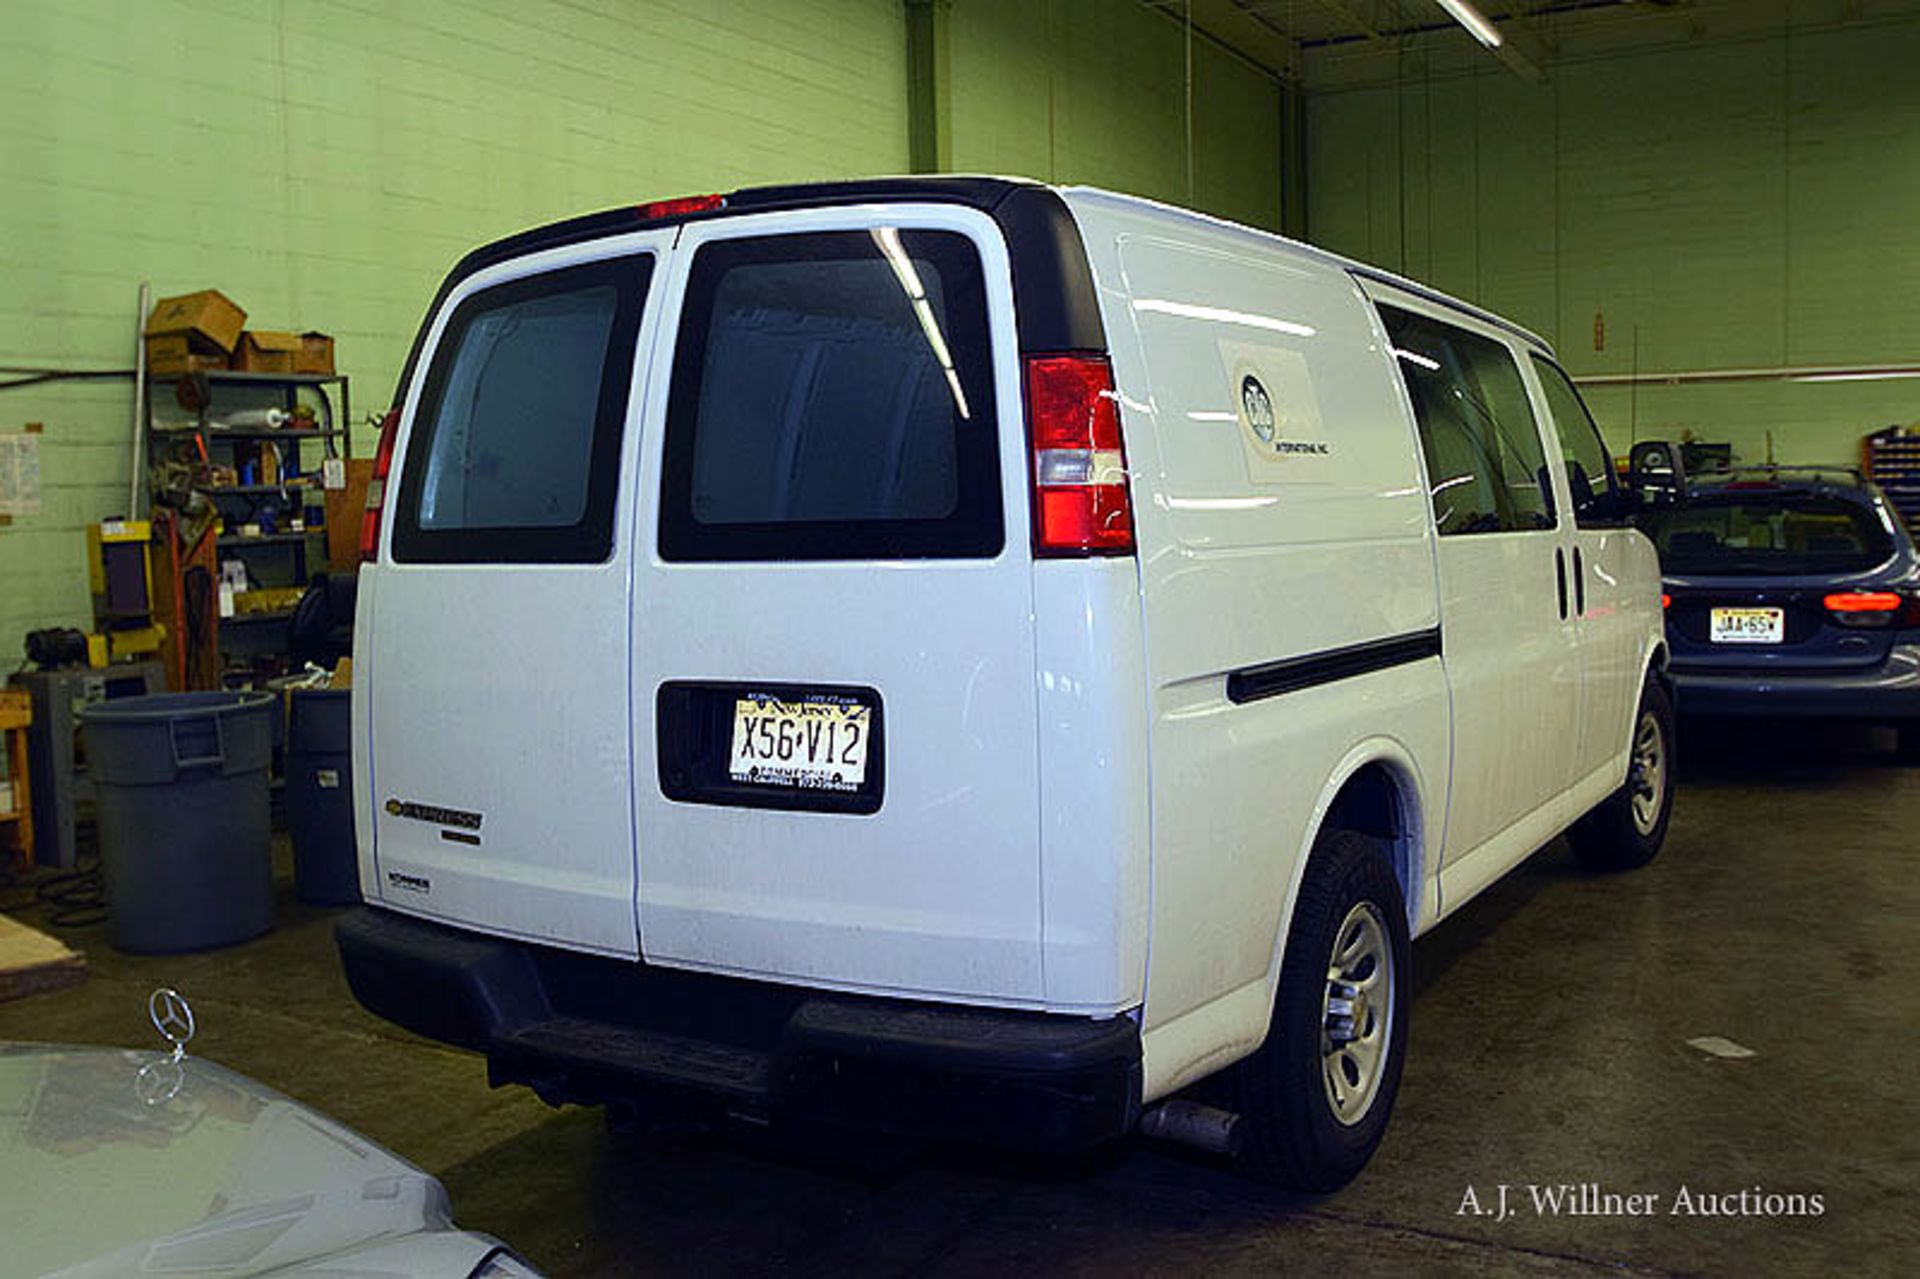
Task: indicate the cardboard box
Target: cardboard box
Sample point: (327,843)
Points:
(208,319)
(315,354)
(266,351)
(345,507)
(171,354)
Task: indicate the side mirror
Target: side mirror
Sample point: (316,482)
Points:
(1656,462)
(1656,471)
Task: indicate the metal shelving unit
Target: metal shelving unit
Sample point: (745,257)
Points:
(185,420)
(1892,459)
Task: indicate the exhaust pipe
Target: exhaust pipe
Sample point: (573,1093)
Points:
(1191,1124)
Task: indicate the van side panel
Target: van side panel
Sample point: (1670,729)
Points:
(1282,516)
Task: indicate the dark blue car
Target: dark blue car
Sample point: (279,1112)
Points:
(1791,592)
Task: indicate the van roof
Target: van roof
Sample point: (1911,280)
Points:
(1058,308)
(1312,252)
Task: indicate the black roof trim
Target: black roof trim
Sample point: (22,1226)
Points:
(1532,341)
(1055,305)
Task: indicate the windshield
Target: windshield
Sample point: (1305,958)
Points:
(1776,533)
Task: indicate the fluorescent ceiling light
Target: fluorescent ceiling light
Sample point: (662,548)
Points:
(1473,20)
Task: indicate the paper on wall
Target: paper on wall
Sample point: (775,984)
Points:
(19,473)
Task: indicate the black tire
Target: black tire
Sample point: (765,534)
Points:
(1292,1131)
(1617,834)
(1907,743)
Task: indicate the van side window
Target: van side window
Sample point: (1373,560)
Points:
(1484,458)
(833,399)
(514,453)
(1590,475)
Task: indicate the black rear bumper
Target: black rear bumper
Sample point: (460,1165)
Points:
(1888,692)
(587,1029)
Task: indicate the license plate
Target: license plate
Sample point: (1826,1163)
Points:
(810,744)
(1747,625)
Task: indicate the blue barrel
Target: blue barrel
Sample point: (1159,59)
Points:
(320,796)
(180,794)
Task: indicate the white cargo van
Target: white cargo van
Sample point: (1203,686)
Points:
(975,658)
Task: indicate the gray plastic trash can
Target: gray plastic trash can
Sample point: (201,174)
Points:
(181,798)
(320,796)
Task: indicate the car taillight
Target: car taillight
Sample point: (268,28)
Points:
(1863,602)
(377,486)
(1873,608)
(1666,600)
(1080,501)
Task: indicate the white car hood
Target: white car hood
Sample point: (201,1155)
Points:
(132,1163)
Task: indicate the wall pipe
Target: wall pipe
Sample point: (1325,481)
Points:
(1779,373)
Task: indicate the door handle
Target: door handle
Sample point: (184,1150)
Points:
(1579,585)
(1560,578)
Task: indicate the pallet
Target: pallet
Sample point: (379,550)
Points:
(32,962)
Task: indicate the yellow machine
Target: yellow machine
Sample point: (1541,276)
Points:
(120,571)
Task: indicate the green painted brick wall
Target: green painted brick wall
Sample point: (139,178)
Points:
(323,163)
(1742,206)
(1096,91)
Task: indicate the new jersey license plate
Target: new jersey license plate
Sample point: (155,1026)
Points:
(1747,625)
(809,744)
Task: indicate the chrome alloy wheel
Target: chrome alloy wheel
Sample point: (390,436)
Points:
(1357,1013)
(1647,776)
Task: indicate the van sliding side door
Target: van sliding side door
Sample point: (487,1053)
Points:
(1505,593)
(1605,552)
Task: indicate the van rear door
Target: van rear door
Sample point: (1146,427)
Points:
(497,641)
(834,689)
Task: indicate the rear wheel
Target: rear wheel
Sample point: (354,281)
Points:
(1908,742)
(1315,1098)
(1627,828)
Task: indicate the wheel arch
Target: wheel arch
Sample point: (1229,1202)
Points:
(1376,790)
(1655,666)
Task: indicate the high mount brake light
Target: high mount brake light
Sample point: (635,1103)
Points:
(679,207)
(1080,502)
(377,486)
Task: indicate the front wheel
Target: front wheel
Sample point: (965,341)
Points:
(1626,829)
(1315,1098)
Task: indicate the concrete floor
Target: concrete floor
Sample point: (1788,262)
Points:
(1549,1046)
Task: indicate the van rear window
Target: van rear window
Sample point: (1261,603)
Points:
(833,399)
(514,452)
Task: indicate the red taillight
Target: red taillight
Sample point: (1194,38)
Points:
(377,486)
(1080,502)
(1863,602)
(655,210)
(1666,600)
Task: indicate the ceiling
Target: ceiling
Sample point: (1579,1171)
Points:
(1334,44)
